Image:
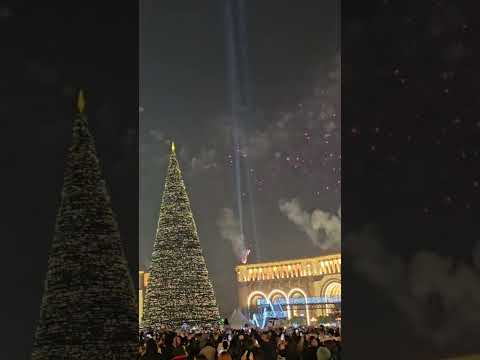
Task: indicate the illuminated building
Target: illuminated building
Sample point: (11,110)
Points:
(299,290)
(142,285)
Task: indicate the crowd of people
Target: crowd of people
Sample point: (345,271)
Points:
(312,343)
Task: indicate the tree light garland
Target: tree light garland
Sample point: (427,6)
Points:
(89,306)
(179,289)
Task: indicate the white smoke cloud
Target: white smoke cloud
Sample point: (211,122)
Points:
(319,113)
(330,127)
(205,160)
(322,228)
(157,135)
(440,296)
(259,144)
(230,230)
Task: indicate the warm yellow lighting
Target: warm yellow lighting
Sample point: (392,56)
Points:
(328,264)
(284,294)
(293,291)
(249,299)
(80,102)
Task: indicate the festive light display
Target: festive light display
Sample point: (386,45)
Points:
(245,256)
(302,301)
(289,269)
(179,290)
(89,307)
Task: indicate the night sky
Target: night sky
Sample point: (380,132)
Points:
(292,152)
(48,53)
(410,178)
(408,151)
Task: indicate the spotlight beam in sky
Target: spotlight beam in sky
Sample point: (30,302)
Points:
(241,107)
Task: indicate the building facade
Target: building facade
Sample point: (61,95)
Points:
(303,291)
(142,286)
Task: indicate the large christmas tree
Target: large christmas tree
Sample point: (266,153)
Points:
(89,307)
(179,290)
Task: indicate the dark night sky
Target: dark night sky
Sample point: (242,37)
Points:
(47,54)
(410,170)
(293,148)
(410,148)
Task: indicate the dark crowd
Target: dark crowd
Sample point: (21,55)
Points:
(312,343)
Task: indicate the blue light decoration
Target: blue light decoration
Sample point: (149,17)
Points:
(263,318)
(268,310)
(302,301)
(260,319)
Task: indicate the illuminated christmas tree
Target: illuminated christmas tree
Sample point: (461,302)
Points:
(179,290)
(89,307)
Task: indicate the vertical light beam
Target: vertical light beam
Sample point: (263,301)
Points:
(241,107)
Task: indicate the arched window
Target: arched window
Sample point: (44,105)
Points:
(301,309)
(332,291)
(279,301)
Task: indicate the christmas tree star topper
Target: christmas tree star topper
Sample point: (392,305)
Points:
(80,102)
(179,288)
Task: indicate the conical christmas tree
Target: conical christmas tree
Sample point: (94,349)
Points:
(179,290)
(89,308)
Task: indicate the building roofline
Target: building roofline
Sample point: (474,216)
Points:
(331,256)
